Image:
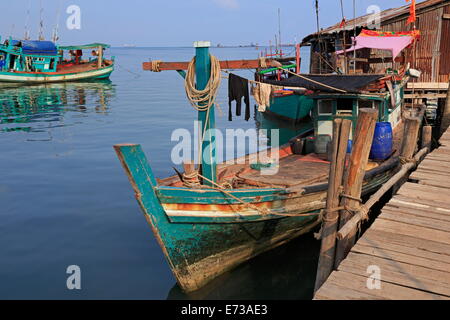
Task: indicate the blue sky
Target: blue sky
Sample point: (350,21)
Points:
(180,22)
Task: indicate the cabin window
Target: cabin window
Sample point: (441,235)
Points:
(325,107)
(344,106)
(366,104)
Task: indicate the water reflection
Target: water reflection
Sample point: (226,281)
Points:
(38,108)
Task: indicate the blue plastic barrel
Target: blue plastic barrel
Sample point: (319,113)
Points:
(382,141)
(349,146)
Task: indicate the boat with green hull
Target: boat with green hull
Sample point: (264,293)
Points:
(35,62)
(288,104)
(237,210)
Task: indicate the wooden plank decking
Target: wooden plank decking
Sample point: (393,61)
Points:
(409,242)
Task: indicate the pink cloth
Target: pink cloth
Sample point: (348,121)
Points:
(394,44)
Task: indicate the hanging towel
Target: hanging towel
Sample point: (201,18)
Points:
(262,93)
(238,89)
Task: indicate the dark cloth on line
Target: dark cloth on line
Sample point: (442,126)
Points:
(238,89)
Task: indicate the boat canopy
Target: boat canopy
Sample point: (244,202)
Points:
(383,40)
(349,83)
(85,46)
(44,48)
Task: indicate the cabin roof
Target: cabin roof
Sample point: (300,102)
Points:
(385,17)
(32,47)
(326,82)
(84,46)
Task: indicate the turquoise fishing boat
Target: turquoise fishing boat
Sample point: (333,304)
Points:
(291,105)
(236,210)
(34,62)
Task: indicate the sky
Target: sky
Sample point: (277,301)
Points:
(154,23)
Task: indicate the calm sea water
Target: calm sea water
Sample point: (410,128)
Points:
(65,200)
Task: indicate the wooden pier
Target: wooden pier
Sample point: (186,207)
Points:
(406,251)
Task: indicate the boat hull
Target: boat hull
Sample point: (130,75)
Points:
(51,77)
(204,233)
(199,252)
(292,107)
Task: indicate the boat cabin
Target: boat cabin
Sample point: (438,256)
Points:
(28,56)
(46,56)
(346,106)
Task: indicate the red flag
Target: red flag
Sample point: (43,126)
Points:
(412,12)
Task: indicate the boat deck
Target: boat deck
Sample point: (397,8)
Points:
(409,242)
(83,67)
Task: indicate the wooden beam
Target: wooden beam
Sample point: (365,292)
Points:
(225,64)
(428,85)
(425,96)
(399,59)
(446,16)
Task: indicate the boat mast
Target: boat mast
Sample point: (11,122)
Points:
(354,34)
(55,36)
(27,22)
(279,32)
(206,118)
(344,44)
(41,24)
(318,36)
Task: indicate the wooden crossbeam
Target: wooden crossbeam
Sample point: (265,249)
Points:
(225,64)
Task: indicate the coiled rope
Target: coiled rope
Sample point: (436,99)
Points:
(203,100)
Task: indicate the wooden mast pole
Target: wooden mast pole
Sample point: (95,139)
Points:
(206,118)
(100,56)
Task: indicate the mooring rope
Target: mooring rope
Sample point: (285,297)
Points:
(203,100)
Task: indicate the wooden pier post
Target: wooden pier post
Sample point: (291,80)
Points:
(203,72)
(410,137)
(445,120)
(100,56)
(427,137)
(341,134)
(354,176)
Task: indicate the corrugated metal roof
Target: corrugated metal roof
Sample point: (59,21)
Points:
(386,16)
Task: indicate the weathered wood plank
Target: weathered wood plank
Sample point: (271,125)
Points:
(424,192)
(387,291)
(416,220)
(428,85)
(425,173)
(407,229)
(435,215)
(395,272)
(439,206)
(409,241)
(230,64)
(397,257)
(333,291)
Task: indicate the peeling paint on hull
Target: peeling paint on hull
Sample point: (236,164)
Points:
(200,250)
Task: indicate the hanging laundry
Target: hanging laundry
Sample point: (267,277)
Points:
(238,89)
(262,93)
